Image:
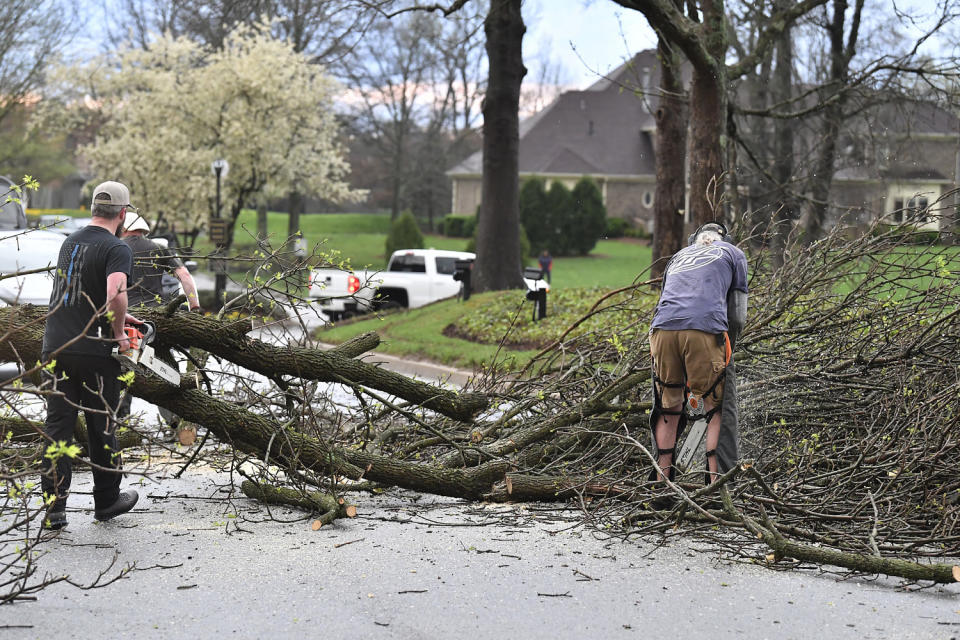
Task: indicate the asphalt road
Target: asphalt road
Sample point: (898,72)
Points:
(211,563)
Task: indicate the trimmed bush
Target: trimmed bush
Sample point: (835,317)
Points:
(588,216)
(616,227)
(404,234)
(534,213)
(459,226)
(558,221)
(908,233)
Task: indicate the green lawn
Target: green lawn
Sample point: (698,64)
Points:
(361,237)
(418,333)
(612,264)
(357,236)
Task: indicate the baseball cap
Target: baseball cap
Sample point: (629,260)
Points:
(111,192)
(133,221)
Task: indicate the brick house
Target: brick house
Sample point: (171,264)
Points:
(605,131)
(894,161)
(901,162)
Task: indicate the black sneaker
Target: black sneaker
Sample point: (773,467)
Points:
(124,502)
(55,520)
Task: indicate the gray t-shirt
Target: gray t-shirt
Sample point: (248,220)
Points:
(696,283)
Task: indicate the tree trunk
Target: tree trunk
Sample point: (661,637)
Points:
(498,229)
(296,208)
(708,120)
(784,211)
(671,160)
(262,221)
(840,55)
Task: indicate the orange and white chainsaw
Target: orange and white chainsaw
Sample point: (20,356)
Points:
(141,354)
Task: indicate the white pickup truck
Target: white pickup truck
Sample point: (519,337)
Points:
(413,278)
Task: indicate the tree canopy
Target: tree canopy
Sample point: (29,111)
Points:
(166,112)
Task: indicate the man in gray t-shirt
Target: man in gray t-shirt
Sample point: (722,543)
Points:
(691,335)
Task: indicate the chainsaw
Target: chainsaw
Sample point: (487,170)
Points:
(693,407)
(141,354)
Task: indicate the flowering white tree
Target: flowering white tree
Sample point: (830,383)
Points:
(162,115)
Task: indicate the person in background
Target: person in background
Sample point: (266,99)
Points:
(151,262)
(546,264)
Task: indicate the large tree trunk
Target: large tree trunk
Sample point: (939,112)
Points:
(708,120)
(498,229)
(671,159)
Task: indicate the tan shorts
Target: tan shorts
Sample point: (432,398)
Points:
(687,356)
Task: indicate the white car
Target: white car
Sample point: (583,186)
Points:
(28,250)
(61,224)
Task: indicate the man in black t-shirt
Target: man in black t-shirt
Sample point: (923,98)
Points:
(88,309)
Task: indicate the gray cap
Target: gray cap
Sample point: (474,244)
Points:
(111,192)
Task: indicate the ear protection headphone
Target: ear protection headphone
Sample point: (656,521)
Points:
(719,228)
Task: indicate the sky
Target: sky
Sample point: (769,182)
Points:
(586,38)
(582,38)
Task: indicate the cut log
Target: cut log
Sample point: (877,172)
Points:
(229,340)
(329,507)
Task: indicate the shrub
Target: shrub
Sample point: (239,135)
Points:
(636,232)
(558,220)
(907,233)
(616,227)
(534,213)
(588,216)
(459,226)
(404,234)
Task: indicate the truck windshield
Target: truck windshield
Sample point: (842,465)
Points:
(408,263)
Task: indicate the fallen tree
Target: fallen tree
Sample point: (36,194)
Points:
(849,393)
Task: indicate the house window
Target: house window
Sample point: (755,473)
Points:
(913,210)
(648,199)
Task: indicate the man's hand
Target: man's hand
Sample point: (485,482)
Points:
(123,344)
(129,319)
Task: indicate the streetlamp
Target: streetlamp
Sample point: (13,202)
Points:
(218,235)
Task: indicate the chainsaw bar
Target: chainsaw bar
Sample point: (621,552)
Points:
(143,355)
(691,443)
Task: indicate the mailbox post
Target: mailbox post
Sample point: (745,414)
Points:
(537,295)
(462,272)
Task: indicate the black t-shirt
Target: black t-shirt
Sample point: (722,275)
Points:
(150,262)
(86,258)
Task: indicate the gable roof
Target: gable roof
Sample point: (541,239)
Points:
(604,129)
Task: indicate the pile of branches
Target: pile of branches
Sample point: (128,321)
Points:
(849,394)
(848,388)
